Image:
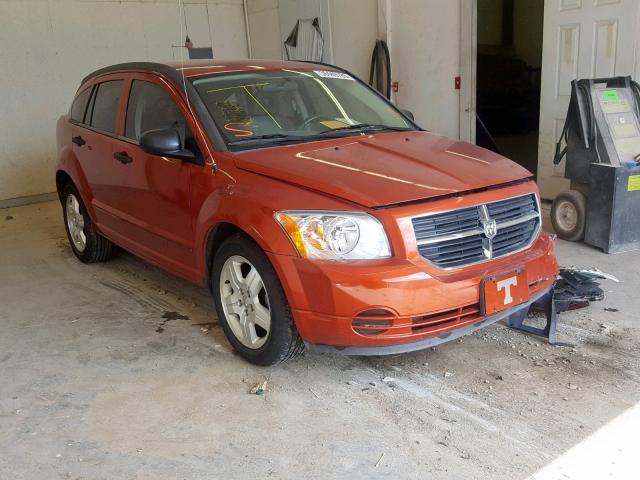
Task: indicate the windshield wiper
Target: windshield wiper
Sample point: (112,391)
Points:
(269,136)
(277,138)
(340,132)
(366,127)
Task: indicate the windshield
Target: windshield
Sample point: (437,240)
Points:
(254,108)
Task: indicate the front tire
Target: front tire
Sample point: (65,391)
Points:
(85,240)
(251,305)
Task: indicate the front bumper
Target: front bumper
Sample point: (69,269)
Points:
(398,305)
(508,314)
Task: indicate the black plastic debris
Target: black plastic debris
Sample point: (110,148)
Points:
(544,304)
(576,288)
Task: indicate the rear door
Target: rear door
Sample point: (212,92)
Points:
(153,198)
(92,139)
(79,135)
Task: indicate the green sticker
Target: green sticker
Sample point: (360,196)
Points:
(610,96)
(634,183)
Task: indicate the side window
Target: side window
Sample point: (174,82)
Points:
(79,105)
(105,106)
(151,107)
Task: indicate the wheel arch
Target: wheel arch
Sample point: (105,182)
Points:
(222,216)
(218,233)
(68,171)
(62,180)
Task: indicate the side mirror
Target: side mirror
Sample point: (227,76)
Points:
(165,142)
(408,114)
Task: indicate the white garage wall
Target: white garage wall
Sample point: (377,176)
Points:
(425,59)
(353,29)
(290,11)
(48,46)
(264,26)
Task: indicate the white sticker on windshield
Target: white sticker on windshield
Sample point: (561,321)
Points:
(331,74)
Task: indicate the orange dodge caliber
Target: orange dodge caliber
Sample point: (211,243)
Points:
(316,212)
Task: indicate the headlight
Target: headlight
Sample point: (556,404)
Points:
(335,235)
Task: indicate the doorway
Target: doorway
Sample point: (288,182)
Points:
(509,61)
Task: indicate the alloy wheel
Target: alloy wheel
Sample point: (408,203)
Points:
(245,302)
(75,223)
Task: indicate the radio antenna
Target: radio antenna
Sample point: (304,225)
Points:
(183,18)
(183,27)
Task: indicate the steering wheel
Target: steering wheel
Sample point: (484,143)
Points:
(307,123)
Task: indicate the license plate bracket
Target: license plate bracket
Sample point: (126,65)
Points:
(503,290)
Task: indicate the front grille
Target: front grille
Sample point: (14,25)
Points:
(449,317)
(475,234)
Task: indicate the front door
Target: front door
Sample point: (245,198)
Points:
(582,39)
(156,219)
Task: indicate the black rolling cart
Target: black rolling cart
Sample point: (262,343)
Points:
(602,136)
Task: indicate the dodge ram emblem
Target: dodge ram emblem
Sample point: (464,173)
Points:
(490,228)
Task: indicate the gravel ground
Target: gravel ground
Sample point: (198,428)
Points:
(121,371)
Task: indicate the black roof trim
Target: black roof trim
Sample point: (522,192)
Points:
(178,80)
(150,67)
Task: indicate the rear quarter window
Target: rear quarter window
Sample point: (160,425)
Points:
(105,106)
(79,105)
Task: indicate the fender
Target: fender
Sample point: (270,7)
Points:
(248,201)
(245,209)
(69,164)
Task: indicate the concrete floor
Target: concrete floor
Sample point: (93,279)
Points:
(119,371)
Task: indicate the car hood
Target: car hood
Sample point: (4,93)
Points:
(384,168)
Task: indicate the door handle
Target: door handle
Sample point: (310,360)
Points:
(78,140)
(123,157)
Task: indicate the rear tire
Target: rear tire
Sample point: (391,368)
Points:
(568,215)
(251,305)
(85,240)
